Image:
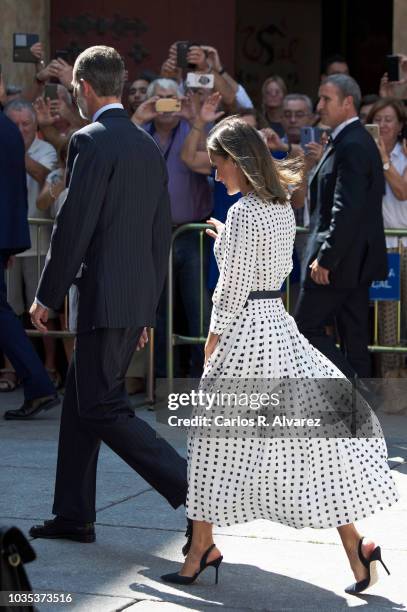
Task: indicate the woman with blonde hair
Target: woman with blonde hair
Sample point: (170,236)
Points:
(309,480)
(273,92)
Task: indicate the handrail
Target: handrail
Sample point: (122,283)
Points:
(177,339)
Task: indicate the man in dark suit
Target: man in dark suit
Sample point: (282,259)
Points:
(39,391)
(114,227)
(346,249)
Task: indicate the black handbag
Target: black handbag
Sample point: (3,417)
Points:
(15,550)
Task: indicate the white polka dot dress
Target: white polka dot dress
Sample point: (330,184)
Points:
(301,481)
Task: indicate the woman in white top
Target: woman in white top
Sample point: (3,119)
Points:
(390,116)
(317,478)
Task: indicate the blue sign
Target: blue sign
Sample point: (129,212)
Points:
(388,289)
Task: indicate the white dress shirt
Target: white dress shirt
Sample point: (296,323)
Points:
(395,210)
(343,125)
(105,108)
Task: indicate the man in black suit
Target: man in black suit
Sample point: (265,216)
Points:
(39,392)
(346,249)
(114,228)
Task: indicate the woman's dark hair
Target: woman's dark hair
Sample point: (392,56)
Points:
(396,104)
(234,139)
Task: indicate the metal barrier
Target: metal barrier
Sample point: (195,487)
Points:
(38,223)
(175,339)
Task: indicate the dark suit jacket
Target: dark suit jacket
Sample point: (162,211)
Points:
(115,222)
(347,234)
(14,232)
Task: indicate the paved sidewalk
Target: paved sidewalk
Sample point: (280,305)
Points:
(139,537)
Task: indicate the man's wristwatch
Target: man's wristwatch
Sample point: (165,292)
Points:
(386,165)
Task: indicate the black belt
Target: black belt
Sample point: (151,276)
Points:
(263,295)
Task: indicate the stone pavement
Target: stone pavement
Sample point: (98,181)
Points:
(266,566)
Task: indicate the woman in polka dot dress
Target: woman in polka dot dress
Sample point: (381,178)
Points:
(319,482)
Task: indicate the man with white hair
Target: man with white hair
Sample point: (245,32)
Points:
(191,202)
(40,159)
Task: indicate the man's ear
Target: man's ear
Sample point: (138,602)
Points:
(349,101)
(86,87)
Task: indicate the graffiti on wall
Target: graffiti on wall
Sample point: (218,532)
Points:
(82,27)
(280,37)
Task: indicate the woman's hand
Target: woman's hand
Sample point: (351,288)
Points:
(210,345)
(313,154)
(64,71)
(218,227)
(209,112)
(197,56)
(273,140)
(37,50)
(382,149)
(43,110)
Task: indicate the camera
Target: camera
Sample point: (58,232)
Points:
(196,81)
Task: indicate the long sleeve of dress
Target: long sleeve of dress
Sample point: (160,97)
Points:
(237,267)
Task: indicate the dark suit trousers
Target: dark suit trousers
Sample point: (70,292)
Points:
(317,306)
(15,343)
(95,409)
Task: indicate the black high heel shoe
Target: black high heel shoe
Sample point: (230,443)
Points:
(371,566)
(175,578)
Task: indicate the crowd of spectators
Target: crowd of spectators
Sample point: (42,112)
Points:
(46,115)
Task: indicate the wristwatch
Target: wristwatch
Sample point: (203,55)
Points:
(386,165)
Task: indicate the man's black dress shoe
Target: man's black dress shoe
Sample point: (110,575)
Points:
(31,408)
(60,528)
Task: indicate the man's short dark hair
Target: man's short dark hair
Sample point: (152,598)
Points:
(146,75)
(103,68)
(336,58)
(346,86)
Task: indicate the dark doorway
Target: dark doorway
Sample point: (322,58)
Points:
(362,33)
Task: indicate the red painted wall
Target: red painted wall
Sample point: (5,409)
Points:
(211,22)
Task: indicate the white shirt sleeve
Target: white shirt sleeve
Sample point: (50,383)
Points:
(242,98)
(237,268)
(47,156)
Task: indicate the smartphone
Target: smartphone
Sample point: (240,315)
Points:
(182,52)
(392,67)
(168,105)
(51,91)
(21,48)
(374,131)
(61,54)
(307,136)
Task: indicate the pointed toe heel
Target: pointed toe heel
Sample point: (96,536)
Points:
(176,578)
(372,573)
